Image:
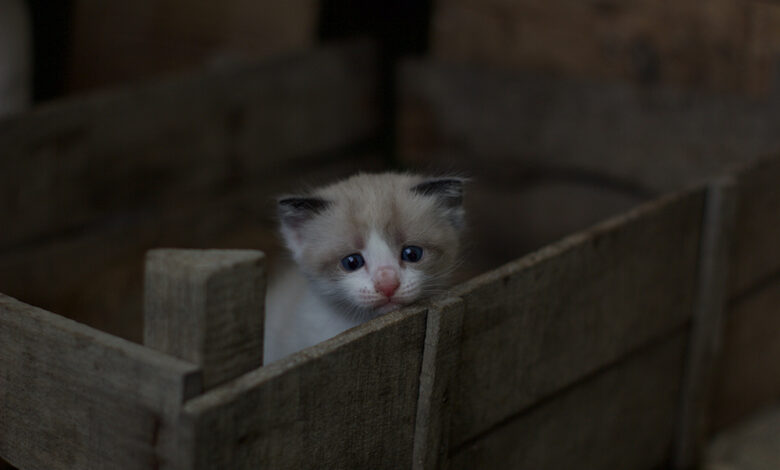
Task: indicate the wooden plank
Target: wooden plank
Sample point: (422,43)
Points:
(206,307)
(622,418)
(756,250)
(505,125)
(542,322)
(437,379)
(74,397)
(689,43)
(749,372)
(707,326)
(349,402)
(179,141)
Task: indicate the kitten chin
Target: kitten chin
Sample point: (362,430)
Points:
(367,245)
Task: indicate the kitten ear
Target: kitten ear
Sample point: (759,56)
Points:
(449,192)
(294,211)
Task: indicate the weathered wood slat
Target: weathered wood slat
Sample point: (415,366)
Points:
(184,139)
(437,379)
(206,307)
(349,402)
(75,397)
(540,323)
(706,336)
(622,418)
(491,122)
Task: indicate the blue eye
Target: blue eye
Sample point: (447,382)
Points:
(411,254)
(353,262)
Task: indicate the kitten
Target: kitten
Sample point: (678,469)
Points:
(363,246)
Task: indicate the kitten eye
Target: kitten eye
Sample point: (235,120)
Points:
(411,254)
(352,262)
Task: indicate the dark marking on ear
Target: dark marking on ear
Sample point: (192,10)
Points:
(295,210)
(449,190)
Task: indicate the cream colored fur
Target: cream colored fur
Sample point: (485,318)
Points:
(376,216)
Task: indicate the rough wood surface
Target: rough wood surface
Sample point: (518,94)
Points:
(749,371)
(94,159)
(621,418)
(756,256)
(508,124)
(718,44)
(349,402)
(74,397)
(437,379)
(542,322)
(706,336)
(206,307)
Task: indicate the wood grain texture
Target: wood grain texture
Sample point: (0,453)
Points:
(706,337)
(437,379)
(206,307)
(540,323)
(179,141)
(749,374)
(710,45)
(507,124)
(349,402)
(756,254)
(74,397)
(621,418)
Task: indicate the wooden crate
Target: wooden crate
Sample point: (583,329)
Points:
(599,350)
(454,382)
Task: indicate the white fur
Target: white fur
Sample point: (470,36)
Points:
(374,216)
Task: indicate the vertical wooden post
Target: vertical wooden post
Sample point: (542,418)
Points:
(707,325)
(440,360)
(206,307)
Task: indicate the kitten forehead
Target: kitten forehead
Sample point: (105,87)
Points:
(384,203)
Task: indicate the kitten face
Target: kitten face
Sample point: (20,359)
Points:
(373,243)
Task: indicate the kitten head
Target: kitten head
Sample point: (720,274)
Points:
(374,242)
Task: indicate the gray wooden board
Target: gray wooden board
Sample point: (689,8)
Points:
(538,324)
(437,378)
(707,324)
(74,397)
(349,402)
(622,418)
(756,248)
(507,123)
(749,374)
(206,307)
(72,162)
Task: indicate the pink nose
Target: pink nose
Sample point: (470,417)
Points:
(386,280)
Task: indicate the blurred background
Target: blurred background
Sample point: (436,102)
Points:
(131,125)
